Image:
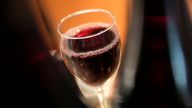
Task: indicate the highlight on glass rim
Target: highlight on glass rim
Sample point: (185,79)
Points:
(96,54)
(91,50)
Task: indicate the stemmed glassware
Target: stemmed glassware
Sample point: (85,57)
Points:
(90,47)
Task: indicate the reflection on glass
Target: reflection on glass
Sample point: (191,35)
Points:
(91,49)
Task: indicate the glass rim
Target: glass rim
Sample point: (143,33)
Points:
(84,12)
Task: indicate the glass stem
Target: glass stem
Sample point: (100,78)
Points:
(101,97)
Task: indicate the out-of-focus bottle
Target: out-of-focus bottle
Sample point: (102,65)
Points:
(148,67)
(179,28)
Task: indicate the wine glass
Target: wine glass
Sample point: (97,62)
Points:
(90,47)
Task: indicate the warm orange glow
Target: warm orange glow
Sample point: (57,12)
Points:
(48,14)
(54,10)
(189,6)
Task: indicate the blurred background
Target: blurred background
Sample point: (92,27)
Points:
(51,12)
(32,73)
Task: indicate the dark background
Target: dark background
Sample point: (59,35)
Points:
(30,76)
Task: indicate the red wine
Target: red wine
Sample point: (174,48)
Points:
(92,59)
